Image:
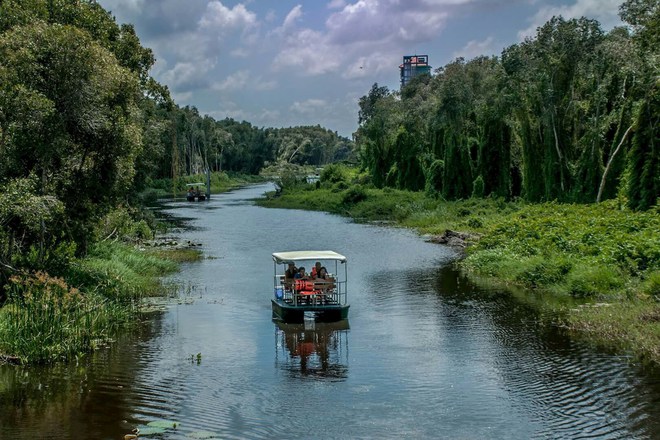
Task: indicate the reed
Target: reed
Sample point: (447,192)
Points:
(46,318)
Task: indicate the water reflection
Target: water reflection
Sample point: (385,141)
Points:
(313,349)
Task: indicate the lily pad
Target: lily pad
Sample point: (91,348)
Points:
(203,435)
(165,424)
(146,431)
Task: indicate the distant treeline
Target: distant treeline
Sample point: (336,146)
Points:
(570,114)
(187,143)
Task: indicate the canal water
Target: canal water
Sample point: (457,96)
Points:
(425,353)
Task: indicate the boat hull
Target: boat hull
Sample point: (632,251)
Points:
(326,313)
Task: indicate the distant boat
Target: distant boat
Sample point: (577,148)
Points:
(297,298)
(196,192)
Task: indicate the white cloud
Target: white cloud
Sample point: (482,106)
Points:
(264,85)
(222,18)
(308,106)
(476,48)
(235,81)
(187,76)
(370,65)
(293,16)
(369,27)
(605,11)
(241,80)
(125,5)
(229,109)
(309,51)
(336,4)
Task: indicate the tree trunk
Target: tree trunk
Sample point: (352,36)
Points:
(609,163)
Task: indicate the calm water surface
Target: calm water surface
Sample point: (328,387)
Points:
(425,353)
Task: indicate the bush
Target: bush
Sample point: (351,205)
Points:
(354,195)
(541,271)
(478,188)
(587,280)
(333,173)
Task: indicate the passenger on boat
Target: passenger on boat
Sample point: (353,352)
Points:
(301,274)
(323,273)
(316,269)
(291,271)
(289,275)
(325,281)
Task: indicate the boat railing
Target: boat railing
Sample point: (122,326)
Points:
(314,292)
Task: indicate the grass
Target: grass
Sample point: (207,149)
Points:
(600,253)
(47,318)
(178,255)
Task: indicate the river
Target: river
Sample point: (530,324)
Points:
(425,353)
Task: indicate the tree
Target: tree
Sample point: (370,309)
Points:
(69,116)
(644,157)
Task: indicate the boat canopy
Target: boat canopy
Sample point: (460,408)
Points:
(196,184)
(290,257)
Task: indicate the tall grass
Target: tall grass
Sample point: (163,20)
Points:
(46,318)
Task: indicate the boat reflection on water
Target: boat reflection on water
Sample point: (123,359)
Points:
(313,349)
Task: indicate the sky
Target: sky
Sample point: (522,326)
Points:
(282,63)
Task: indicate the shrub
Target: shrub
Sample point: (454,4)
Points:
(333,173)
(475,222)
(478,187)
(354,195)
(540,271)
(587,280)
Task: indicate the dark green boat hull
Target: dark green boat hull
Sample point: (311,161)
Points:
(325,313)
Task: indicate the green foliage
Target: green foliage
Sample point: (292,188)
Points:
(70,120)
(582,250)
(121,224)
(539,270)
(589,280)
(644,157)
(478,187)
(434,175)
(354,195)
(333,173)
(46,319)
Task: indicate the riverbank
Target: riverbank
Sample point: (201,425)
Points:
(604,255)
(48,318)
(63,310)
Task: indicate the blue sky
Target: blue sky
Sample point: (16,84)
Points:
(281,63)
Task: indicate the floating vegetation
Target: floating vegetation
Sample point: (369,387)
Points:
(146,431)
(164,424)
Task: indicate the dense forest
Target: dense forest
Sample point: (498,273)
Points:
(570,114)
